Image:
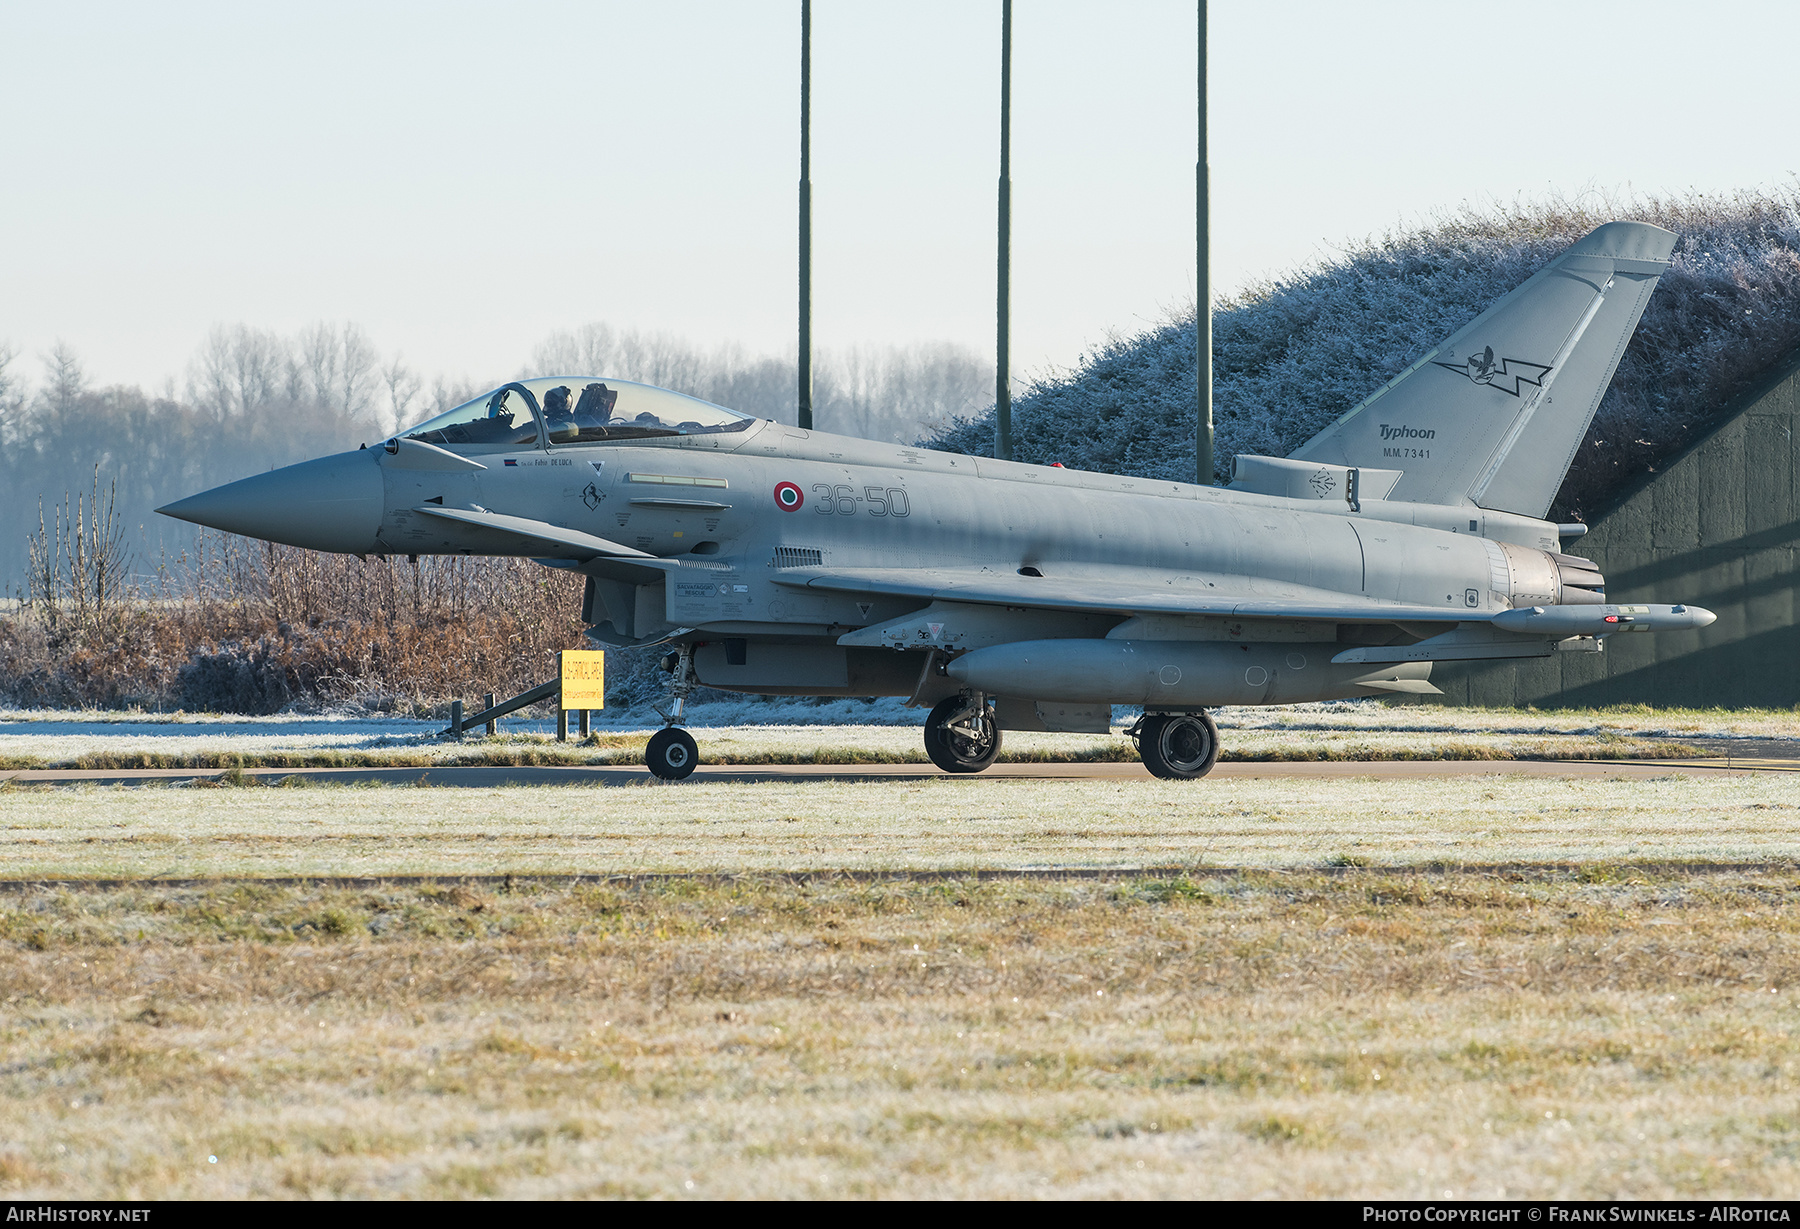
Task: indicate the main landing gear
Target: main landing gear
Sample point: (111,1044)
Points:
(672,753)
(961,734)
(1177,746)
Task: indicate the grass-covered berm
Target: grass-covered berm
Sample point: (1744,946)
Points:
(1612,1031)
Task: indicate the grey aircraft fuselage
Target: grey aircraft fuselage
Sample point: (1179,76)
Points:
(716,554)
(1017,596)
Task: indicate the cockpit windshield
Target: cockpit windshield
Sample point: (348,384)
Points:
(586,410)
(505,417)
(576,410)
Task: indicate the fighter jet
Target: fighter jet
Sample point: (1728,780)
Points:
(1005,596)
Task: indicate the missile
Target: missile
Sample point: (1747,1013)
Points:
(1601,620)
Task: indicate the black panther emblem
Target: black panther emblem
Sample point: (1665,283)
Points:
(1484,368)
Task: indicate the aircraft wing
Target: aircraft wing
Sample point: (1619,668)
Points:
(1139,591)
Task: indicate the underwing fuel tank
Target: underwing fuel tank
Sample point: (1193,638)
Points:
(1178,674)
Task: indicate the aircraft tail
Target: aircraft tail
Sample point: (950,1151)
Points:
(1494,415)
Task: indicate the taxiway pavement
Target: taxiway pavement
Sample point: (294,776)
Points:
(490,777)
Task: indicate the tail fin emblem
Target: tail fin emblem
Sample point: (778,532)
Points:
(1484,368)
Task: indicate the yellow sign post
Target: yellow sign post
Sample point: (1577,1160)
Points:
(583,678)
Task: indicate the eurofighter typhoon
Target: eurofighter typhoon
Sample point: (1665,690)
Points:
(1008,596)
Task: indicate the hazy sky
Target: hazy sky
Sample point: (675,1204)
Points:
(462,179)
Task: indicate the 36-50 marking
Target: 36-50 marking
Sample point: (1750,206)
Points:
(841,500)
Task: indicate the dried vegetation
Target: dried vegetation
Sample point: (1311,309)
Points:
(252,627)
(939,823)
(1617,1032)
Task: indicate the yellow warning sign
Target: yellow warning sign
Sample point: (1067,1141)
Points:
(583,678)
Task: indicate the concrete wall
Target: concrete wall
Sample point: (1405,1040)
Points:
(1717,528)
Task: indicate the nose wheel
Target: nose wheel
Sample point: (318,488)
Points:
(672,753)
(1178,746)
(961,734)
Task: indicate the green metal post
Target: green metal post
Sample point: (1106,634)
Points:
(1203,436)
(1003,339)
(805,400)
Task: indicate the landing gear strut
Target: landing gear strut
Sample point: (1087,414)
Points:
(672,753)
(961,734)
(1177,746)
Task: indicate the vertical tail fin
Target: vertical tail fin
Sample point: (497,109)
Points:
(1493,416)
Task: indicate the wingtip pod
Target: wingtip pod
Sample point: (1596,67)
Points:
(1602,620)
(1627,241)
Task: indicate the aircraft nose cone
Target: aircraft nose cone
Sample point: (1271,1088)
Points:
(331,504)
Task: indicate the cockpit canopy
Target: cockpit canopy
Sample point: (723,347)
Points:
(574,410)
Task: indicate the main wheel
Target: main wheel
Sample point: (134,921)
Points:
(1179,746)
(672,753)
(969,745)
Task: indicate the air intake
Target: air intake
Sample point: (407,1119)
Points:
(797,557)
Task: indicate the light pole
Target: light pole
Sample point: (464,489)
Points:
(1203,435)
(804,400)
(1003,296)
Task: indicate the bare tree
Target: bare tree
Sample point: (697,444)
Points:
(80,569)
(315,363)
(447,394)
(12,397)
(64,380)
(899,393)
(237,370)
(592,349)
(335,368)
(358,365)
(653,358)
(403,388)
(879,392)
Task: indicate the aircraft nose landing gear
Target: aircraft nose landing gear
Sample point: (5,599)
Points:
(961,734)
(672,754)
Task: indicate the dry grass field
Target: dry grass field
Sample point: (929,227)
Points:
(1366,1004)
(1613,1032)
(943,823)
